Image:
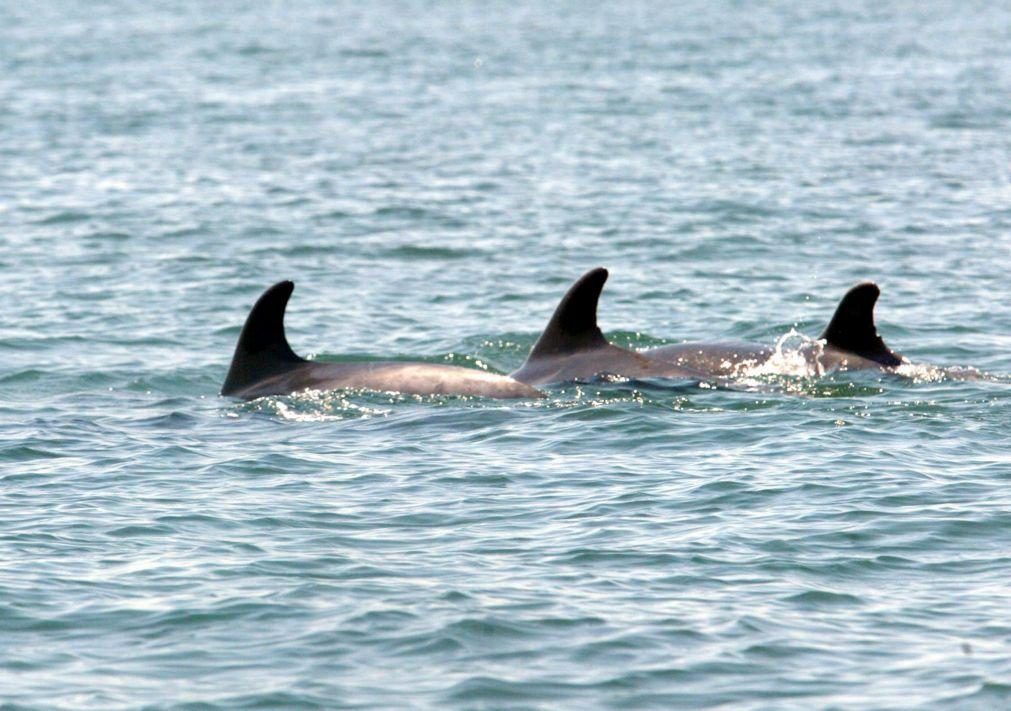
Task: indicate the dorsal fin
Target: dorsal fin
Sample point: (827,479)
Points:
(262,350)
(852,327)
(573,326)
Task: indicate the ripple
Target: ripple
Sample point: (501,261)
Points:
(65,217)
(815,599)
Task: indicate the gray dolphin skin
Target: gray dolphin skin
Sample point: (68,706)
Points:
(264,364)
(572,347)
(851,342)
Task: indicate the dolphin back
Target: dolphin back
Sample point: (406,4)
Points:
(262,351)
(852,326)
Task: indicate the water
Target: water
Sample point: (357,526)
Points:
(433,176)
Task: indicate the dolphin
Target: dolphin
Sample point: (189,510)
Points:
(264,364)
(850,342)
(572,347)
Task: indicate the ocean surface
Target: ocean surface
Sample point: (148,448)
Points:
(433,176)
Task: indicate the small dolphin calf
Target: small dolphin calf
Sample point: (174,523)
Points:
(851,342)
(264,364)
(572,347)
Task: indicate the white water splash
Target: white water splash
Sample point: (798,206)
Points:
(926,373)
(323,406)
(793,354)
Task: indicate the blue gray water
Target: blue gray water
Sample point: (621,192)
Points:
(433,176)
